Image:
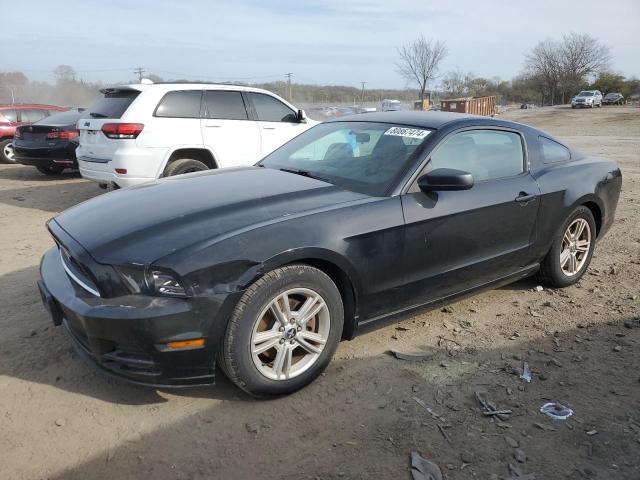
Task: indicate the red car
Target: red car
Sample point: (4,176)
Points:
(12,116)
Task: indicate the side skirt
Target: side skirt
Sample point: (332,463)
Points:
(377,322)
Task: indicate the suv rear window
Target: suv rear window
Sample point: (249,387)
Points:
(180,104)
(226,105)
(113,105)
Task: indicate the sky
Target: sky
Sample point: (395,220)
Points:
(338,42)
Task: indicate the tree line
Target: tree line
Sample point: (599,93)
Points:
(554,70)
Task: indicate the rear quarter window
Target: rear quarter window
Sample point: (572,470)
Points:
(553,152)
(180,104)
(113,105)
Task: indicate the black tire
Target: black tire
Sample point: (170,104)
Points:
(550,271)
(235,355)
(3,157)
(184,165)
(50,170)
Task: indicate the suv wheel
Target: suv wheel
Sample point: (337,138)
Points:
(6,151)
(283,332)
(184,165)
(571,250)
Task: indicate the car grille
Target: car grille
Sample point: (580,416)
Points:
(77,272)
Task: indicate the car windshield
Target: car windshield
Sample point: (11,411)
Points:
(365,157)
(585,94)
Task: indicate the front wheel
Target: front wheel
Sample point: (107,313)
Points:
(283,332)
(571,251)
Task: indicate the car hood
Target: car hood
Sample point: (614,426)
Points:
(147,222)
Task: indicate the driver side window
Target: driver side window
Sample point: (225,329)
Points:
(486,154)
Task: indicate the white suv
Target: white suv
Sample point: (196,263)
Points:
(587,98)
(138,133)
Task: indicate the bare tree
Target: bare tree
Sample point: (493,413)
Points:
(563,66)
(64,73)
(420,60)
(581,56)
(455,82)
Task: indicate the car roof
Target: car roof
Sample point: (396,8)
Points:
(432,120)
(21,106)
(168,86)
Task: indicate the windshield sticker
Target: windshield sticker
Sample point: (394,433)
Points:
(408,132)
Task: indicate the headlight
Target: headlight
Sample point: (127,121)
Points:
(164,283)
(151,282)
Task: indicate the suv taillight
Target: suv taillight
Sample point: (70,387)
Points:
(63,135)
(122,130)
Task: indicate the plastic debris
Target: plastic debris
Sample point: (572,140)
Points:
(423,469)
(556,411)
(526,373)
(412,356)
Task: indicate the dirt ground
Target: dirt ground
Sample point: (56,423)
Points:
(59,419)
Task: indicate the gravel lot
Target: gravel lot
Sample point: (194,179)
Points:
(59,419)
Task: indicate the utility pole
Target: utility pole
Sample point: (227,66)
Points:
(288,75)
(363,84)
(139,71)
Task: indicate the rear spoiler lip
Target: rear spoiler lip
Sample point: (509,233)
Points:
(125,88)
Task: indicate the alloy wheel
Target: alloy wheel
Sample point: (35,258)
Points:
(290,334)
(8,151)
(575,247)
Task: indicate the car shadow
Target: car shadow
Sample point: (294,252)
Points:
(362,419)
(26,172)
(50,195)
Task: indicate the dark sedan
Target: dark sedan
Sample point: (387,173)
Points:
(613,98)
(49,144)
(264,269)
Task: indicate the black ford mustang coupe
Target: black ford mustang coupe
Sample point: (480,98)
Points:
(264,269)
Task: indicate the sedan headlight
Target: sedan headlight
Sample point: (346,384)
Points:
(164,283)
(151,282)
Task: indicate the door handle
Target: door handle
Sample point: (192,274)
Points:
(212,125)
(268,128)
(524,197)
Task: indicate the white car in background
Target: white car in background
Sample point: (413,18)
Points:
(141,132)
(587,98)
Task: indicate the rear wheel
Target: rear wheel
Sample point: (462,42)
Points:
(50,170)
(571,250)
(184,165)
(6,151)
(283,332)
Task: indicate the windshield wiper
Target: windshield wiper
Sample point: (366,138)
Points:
(304,173)
(97,115)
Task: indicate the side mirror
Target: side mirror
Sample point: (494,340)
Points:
(301,117)
(442,179)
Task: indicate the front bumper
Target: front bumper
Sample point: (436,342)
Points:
(127,336)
